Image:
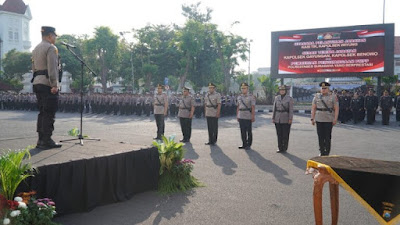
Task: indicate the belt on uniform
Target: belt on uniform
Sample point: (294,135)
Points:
(159,104)
(185,108)
(210,106)
(40,72)
(282,111)
(245,110)
(321,109)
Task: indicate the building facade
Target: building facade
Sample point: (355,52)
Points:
(15,16)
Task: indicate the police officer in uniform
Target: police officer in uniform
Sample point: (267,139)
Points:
(246,116)
(45,67)
(371,105)
(397,106)
(185,114)
(212,111)
(386,105)
(356,106)
(324,113)
(282,117)
(160,110)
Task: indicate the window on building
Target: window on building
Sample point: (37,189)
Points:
(16,36)
(10,35)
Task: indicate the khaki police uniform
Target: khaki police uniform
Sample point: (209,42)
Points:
(45,68)
(212,109)
(245,114)
(281,114)
(160,105)
(324,116)
(185,114)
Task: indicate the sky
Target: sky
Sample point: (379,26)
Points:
(258,18)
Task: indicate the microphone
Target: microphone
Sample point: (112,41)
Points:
(68,45)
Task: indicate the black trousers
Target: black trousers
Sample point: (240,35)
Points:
(283,131)
(398,115)
(356,115)
(385,116)
(246,132)
(371,116)
(324,130)
(212,124)
(160,124)
(47,105)
(186,127)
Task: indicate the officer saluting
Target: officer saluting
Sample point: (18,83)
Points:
(160,110)
(45,68)
(185,114)
(324,112)
(246,116)
(212,113)
(282,117)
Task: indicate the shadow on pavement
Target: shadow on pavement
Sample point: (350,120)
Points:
(269,167)
(135,211)
(191,153)
(220,159)
(297,162)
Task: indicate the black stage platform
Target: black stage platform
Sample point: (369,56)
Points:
(79,178)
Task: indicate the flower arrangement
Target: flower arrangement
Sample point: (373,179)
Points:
(26,210)
(23,209)
(175,171)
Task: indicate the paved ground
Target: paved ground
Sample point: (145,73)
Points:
(243,187)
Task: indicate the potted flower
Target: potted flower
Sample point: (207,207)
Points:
(175,171)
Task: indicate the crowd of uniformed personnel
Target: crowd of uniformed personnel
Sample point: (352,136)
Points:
(113,103)
(356,106)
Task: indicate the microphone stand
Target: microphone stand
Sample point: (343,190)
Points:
(80,136)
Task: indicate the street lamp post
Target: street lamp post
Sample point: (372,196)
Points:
(132,69)
(249,61)
(1,48)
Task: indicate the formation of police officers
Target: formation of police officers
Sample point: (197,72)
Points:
(355,106)
(326,107)
(116,103)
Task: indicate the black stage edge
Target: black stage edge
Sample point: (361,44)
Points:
(80,185)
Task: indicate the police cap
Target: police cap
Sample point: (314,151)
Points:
(48,30)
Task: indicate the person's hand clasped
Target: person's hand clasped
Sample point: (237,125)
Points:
(54,90)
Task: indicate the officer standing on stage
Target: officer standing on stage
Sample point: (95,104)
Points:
(185,114)
(282,117)
(246,116)
(386,105)
(212,108)
(45,67)
(324,113)
(371,105)
(160,110)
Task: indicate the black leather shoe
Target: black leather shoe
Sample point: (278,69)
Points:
(156,138)
(184,140)
(207,143)
(247,148)
(279,151)
(242,147)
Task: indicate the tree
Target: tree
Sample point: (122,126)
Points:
(103,53)
(230,48)
(389,81)
(72,65)
(270,87)
(16,64)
